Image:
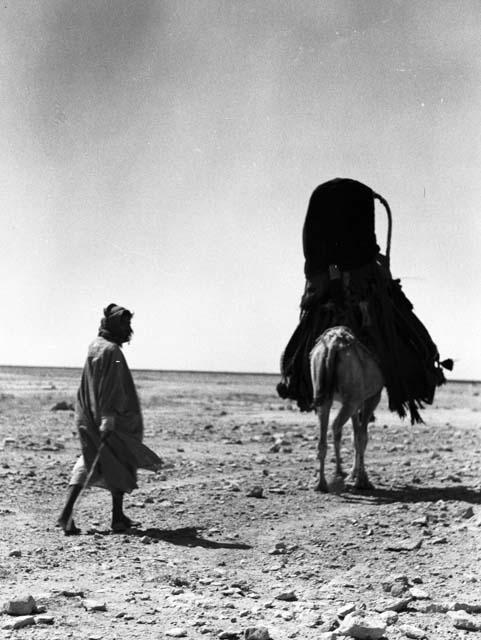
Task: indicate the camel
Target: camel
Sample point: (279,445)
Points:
(343,369)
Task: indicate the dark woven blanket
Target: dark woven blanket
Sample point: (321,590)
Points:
(348,282)
(374,307)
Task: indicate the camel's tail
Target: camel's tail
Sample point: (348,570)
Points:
(325,380)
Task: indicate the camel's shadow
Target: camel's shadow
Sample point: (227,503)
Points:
(412,494)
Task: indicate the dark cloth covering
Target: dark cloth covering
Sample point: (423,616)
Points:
(339,227)
(349,283)
(110,327)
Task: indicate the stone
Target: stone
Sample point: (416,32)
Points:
(398,588)
(397,580)
(469,607)
(44,619)
(346,610)
(256,633)
(405,545)
(176,632)
(389,617)
(287,596)
(279,549)
(94,605)
(422,521)
(63,406)
(466,513)
(19,622)
(431,607)
(72,594)
(312,620)
(418,594)
(463,620)
(363,628)
(256,492)
(20,606)
(329,622)
(411,631)
(228,635)
(15,553)
(393,604)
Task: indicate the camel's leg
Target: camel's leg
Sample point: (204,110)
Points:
(358,473)
(323,415)
(360,433)
(345,412)
(355,445)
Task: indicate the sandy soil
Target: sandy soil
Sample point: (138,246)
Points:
(204,560)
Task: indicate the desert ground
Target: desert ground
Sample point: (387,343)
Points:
(233,535)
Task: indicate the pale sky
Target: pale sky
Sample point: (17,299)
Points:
(160,154)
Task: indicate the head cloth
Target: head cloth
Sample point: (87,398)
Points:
(110,327)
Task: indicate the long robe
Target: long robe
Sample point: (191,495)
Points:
(107,390)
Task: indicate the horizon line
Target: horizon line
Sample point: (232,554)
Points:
(222,371)
(216,371)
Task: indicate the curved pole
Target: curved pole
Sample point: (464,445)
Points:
(384,202)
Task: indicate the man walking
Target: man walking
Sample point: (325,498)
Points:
(109,423)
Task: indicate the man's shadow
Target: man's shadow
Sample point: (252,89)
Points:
(185,537)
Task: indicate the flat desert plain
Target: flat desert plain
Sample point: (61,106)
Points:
(210,559)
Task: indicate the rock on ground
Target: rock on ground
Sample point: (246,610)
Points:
(464,620)
(176,632)
(94,605)
(256,633)
(19,622)
(411,631)
(20,606)
(287,596)
(368,628)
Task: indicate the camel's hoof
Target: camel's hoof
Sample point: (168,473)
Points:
(68,527)
(75,531)
(321,487)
